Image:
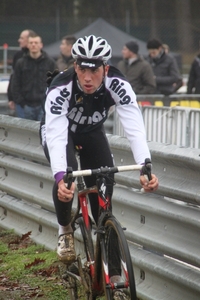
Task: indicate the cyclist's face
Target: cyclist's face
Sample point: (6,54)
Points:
(90,78)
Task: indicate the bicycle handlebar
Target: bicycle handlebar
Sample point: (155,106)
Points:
(144,170)
(103,170)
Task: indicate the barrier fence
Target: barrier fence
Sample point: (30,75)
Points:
(170,125)
(162,228)
(7,56)
(178,99)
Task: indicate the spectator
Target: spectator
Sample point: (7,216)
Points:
(193,85)
(165,68)
(29,79)
(166,48)
(23,41)
(137,71)
(65,59)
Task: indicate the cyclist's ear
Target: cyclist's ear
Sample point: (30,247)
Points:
(106,69)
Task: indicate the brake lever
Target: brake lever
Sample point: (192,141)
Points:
(68,179)
(146,169)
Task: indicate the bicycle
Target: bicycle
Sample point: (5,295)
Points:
(110,253)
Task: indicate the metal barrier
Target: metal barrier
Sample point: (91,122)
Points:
(170,125)
(4,108)
(6,48)
(162,228)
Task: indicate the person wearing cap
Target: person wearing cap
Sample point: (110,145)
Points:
(165,68)
(137,70)
(76,107)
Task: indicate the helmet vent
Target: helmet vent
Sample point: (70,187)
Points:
(91,43)
(97,52)
(82,50)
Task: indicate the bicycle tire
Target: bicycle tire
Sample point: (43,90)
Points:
(116,253)
(89,252)
(87,238)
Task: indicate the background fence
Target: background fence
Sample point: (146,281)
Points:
(173,124)
(6,54)
(170,125)
(55,27)
(162,228)
(52,28)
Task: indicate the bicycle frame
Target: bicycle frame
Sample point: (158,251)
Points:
(105,219)
(104,205)
(105,211)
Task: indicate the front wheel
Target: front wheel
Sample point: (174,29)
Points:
(118,276)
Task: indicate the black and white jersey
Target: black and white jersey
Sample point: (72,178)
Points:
(67,108)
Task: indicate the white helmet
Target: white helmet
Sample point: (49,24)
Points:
(91,48)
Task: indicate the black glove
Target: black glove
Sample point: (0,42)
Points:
(51,75)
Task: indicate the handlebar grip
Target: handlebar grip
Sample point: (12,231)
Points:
(146,169)
(68,179)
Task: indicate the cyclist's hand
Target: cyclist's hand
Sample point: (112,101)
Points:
(149,186)
(64,194)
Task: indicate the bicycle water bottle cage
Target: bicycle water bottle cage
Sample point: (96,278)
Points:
(146,169)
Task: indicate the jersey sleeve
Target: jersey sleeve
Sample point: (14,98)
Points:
(56,108)
(130,116)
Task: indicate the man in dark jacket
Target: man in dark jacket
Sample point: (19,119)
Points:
(137,71)
(23,41)
(29,79)
(165,69)
(193,85)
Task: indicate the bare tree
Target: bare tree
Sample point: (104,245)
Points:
(153,19)
(135,12)
(184,25)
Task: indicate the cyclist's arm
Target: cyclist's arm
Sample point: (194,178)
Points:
(132,122)
(129,114)
(56,131)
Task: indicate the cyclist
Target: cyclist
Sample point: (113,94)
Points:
(76,107)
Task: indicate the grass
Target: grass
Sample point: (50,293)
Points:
(27,270)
